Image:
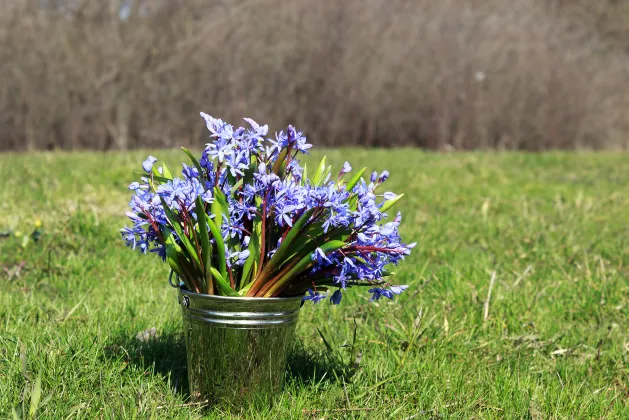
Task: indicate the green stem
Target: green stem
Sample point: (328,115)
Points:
(304,264)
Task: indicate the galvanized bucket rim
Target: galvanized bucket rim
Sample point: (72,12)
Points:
(243,299)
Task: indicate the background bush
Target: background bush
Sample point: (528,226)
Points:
(444,74)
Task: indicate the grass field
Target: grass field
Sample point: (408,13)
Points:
(548,338)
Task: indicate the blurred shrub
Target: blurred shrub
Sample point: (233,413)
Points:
(441,74)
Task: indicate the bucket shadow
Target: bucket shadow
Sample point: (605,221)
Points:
(312,366)
(164,354)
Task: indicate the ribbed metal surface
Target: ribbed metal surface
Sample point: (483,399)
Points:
(241,312)
(237,347)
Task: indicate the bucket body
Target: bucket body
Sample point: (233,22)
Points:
(237,346)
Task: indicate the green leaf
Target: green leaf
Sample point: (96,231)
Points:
(352,182)
(308,240)
(208,274)
(390,203)
(203,234)
(326,173)
(353,202)
(219,206)
(165,176)
(35,396)
(172,247)
(191,251)
(194,161)
(244,290)
(318,176)
(223,285)
(254,253)
(277,167)
(304,176)
(250,171)
(279,255)
(307,243)
(220,247)
(155,177)
(166,172)
(303,264)
(173,251)
(237,185)
(189,274)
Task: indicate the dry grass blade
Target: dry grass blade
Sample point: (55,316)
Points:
(486,305)
(305,411)
(193,404)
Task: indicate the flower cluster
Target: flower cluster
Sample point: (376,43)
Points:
(247,220)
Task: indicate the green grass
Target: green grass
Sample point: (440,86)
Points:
(553,227)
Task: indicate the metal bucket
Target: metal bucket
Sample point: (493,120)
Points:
(237,346)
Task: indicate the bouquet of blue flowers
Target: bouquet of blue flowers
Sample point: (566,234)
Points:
(246,219)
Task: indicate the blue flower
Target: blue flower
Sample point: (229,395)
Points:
(292,138)
(160,251)
(319,256)
(207,196)
(179,191)
(284,215)
(130,236)
(297,139)
(241,257)
(378,292)
(315,297)
(398,289)
(189,172)
(336,297)
(217,127)
(206,161)
(264,178)
(147,165)
(389,229)
(257,132)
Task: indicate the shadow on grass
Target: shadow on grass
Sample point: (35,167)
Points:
(309,367)
(165,355)
(162,354)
